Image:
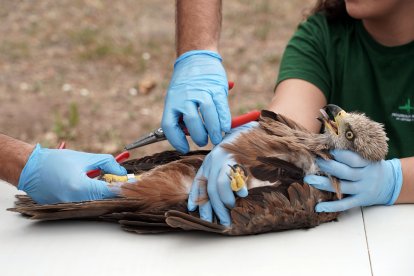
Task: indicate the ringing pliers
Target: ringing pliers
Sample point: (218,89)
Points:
(158,134)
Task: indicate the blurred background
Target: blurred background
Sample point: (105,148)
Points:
(95,73)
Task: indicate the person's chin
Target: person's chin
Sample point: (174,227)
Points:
(354,11)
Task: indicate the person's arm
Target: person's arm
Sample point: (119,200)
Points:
(300,101)
(407,189)
(199,83)
(52,175)
(13,157)
(198,25)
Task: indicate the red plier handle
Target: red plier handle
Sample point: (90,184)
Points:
(236,121)
(119,158)
(245,118)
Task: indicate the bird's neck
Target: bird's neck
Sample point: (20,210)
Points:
(321,141)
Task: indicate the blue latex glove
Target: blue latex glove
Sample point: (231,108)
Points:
(367,183)
(52,175)
(198,84)
(216,170)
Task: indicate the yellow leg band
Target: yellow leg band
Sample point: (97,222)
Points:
(119,178)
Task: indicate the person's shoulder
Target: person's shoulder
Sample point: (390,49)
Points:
(326,31)
(319,25)
(316,19)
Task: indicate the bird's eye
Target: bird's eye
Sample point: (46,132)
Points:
(349,135)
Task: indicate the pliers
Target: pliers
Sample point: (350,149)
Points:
(158,134)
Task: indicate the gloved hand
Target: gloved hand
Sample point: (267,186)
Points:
(199,83)
(367,183)
(216,170)
(53,176)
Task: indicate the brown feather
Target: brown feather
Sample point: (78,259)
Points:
(163,186)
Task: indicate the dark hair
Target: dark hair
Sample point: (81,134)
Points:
(334,10)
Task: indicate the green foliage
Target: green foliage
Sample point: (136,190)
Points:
(14,50)
(242,110)
(73,115)
(247,108)
(92,44)
(97,51)
(260,106)
(263,30)
(273,59)
(59,127)
(85,37)
(65,126)
(262,6)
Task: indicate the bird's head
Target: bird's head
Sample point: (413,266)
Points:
(355,132)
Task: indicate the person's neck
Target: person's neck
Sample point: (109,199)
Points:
(394,29)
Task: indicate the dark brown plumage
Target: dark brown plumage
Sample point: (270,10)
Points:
(276,155)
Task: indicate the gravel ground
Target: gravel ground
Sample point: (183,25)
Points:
(95,73)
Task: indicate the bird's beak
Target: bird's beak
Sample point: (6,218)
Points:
(332,117)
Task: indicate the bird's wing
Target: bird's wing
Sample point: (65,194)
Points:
(276,150)
(270,121)
(265,209)
(138,166)
(72,210)
(274,169)
(187,222)
(148,222)
(144,223)
(280,209)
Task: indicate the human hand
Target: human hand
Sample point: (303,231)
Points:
(216,170)
(367,183)
(53,176)
(198,84)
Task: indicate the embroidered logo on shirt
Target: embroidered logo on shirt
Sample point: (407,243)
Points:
(408,115)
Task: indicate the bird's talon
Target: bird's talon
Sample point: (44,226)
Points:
(229,177)
(238,177)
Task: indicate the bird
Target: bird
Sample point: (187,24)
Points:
(272,159)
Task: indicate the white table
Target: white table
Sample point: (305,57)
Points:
(99,248)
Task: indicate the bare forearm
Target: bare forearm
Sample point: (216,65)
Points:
(198,25)
(407,189)
(13,157)
(300,101)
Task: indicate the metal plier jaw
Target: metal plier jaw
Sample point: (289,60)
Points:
(152,137)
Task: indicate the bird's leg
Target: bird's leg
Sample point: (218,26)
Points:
(337,186)
(202,196)
(238,177)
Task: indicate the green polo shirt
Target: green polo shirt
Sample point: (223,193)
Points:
(357,73)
